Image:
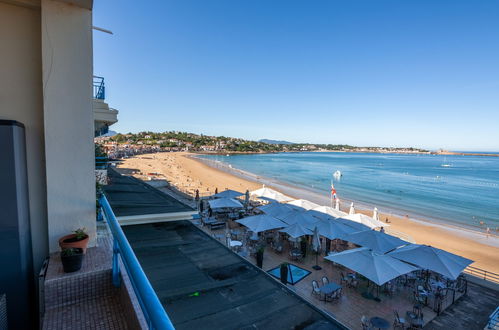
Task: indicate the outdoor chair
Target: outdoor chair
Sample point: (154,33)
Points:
(344,279)
(315,288)
(398,322)
(366,324)
(325,280)
(332,296)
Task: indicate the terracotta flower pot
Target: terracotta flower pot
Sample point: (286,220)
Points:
(69,241)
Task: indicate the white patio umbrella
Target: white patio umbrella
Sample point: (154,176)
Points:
(316,246)
(270,193)
(375,214)
(262,222)
(296,230)
(377,241)
(276,209)
(330,211)
(228,194)
(355,225)
(352,209)
(307,205)
(366,220)
(379,268)
(337,204)
(429,257)
(225,203)
(332,229)
(303,218)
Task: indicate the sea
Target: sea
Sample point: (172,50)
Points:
(454,189)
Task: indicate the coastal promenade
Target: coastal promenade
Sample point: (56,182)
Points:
(186,174)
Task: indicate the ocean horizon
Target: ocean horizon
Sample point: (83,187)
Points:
(453,189)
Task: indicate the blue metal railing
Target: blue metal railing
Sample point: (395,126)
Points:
(101,163)
(154,312)
(99,88)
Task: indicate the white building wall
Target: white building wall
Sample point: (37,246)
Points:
(68,117)
(21,100)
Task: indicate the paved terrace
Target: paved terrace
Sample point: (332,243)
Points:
(471,310)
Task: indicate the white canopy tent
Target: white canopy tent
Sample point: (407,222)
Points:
(270,193)
(330,211)
(228,194)
(428,257)
(366,220)
(379,268)
(375,214)
(225,203)
(377,241)
(303,203)
(262,222)
(296,230)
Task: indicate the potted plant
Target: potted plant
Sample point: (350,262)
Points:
(79,239)
(284,273)
(259,256)
(72,259)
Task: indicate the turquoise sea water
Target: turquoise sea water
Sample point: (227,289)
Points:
(464,193)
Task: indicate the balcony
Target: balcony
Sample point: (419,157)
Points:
(104,116)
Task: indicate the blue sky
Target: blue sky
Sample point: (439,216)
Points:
(387,73)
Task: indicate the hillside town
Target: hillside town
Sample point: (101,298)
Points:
(124,145)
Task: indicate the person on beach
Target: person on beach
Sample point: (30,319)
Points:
(386,220)
(488,232)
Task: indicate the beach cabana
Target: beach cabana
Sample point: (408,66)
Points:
(366,220)
(262,222)
(296,230)
(270,193)
(379,268)
(428,257)
(332,229)
(377,241)
(303,203)
(329,211)
(228,194)
(225,203)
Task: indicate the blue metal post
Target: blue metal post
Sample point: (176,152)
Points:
(116,264)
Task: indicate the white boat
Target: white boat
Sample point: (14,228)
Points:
(445,164)
(337,175)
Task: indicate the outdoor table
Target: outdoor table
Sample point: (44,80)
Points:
(379,323)
(235,243)
(329,288)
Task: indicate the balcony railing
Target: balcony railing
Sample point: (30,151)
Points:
(154,312)
(99,88)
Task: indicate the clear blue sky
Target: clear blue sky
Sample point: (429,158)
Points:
(389,73)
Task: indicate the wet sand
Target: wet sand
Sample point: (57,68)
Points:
(188,174)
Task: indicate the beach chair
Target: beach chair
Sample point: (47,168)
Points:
(325,280)
(315,288)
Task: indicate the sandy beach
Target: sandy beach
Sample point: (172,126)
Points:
(188,174)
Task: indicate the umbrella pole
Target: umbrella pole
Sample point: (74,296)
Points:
(316,267)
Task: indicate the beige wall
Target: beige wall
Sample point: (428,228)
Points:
(68,117)
(21,100)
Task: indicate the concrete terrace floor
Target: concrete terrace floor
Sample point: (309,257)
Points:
(203,285)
